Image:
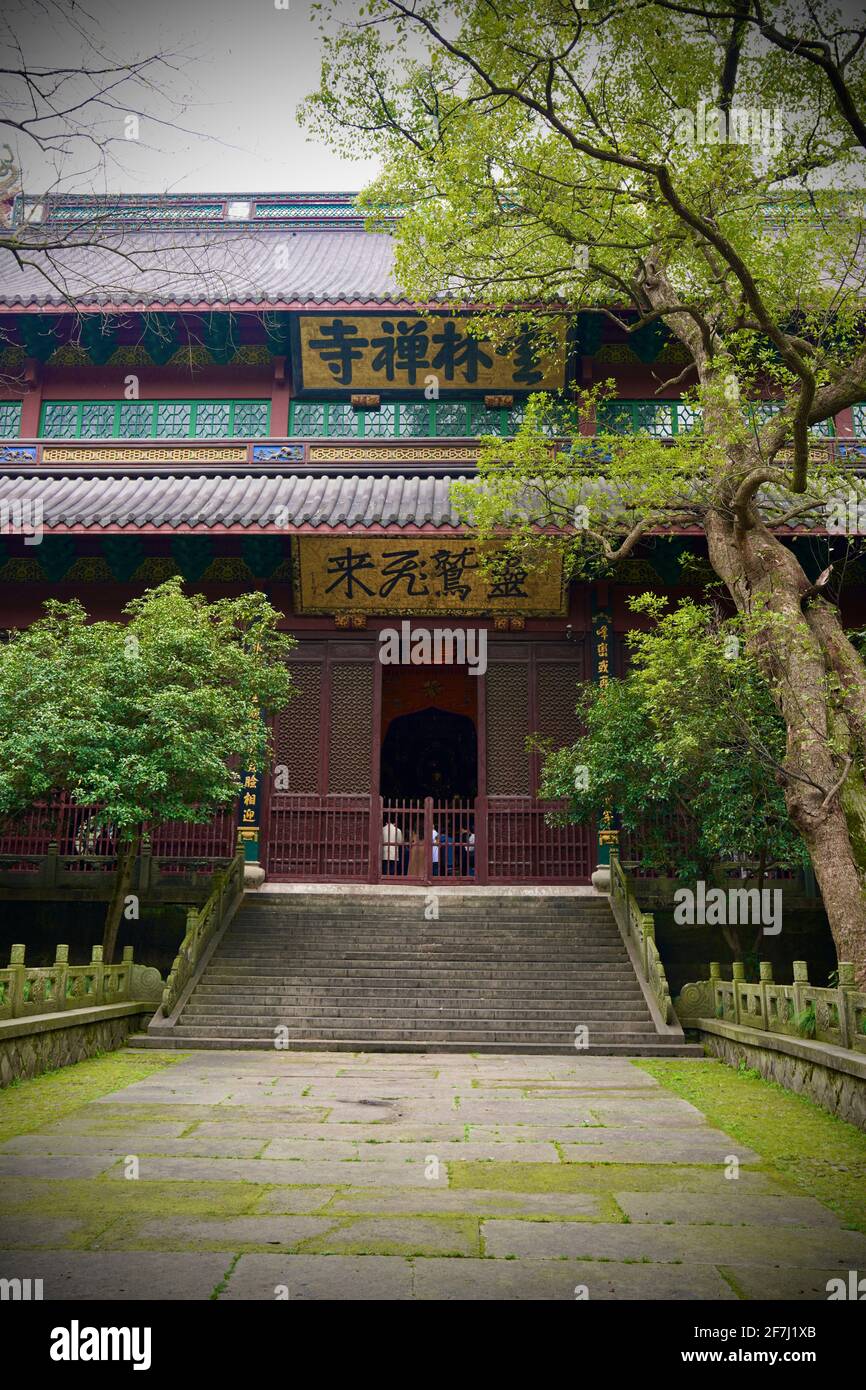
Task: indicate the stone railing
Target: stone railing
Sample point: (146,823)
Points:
(201,926)
(639,929)
(155,876)
(26,990)
(799,1010)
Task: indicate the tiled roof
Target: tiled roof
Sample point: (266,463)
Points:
(254,502)
(191,268)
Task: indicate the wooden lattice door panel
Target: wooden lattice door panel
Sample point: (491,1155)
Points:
(296,731)
(556,694)
(350,748)
(507,726)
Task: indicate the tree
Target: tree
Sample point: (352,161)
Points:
(690,730)
(72,111)
(150,719)
(676,164)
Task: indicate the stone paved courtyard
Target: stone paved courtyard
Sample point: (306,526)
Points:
(394,1177)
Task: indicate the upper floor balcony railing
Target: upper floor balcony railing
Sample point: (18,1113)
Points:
(436,454)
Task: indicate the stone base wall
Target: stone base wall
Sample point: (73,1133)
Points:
(42,1049)
(798,1068)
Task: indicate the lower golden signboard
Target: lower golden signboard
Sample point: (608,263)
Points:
(420,575)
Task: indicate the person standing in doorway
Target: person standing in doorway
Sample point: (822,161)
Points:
(392,842)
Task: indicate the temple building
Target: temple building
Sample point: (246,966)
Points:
(232,389)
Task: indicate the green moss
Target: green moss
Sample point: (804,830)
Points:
(461,1237)
(84,1198)
(224,1282)
(493,1176)
(799,1143)
(32,1104)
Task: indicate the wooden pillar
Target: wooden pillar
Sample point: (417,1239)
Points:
(602,670)
(481,803)
(376,810)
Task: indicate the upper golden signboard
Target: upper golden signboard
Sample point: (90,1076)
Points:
(400,352)
(361,574)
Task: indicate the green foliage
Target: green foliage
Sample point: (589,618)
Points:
(691,728)
(541,164)
(151,718)
(807,1022)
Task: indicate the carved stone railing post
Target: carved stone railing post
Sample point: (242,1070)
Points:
(50,869)
(765,974)
(847,1018)
(801,977)
(647,934)
(61,967)
(16,965)
(128,962)
(98,970)
(145,867)
(738,975)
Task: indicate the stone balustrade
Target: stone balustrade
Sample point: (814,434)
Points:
(827,1014)
(27,990)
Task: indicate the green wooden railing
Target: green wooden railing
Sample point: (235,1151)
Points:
(175,419)
(639,928)
(10,419)
(392,419)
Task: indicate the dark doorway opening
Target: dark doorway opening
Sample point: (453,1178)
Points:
(431,752)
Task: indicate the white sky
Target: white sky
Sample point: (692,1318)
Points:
(244,66)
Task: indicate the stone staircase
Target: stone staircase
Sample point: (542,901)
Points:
(362,971)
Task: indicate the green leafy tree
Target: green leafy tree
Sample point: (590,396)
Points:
(676,165)
(150,719)
(690,735)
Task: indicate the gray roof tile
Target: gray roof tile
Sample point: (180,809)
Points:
(250,500)
(190,268)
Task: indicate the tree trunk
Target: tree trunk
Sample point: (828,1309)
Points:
(817,679)
(824,789)
(127,853)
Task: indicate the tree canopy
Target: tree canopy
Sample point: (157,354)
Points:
(150,719)
(686,169)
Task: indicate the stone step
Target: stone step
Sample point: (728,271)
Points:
(499,973)
(488,1032)
(478,969)
(657,1048)
(321,1010)
(585,998)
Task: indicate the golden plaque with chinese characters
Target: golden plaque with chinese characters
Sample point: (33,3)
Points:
(420,575)
(398,352)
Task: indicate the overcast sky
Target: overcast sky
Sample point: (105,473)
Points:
(243,67)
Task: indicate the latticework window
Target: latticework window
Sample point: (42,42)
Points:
(251,419)
(155,419)
(135,420)
(173,419)
(10,419)
(97,420)
(507,723)
(458,419)
(351,746)
(59,420)
(296,731)
(213,419)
